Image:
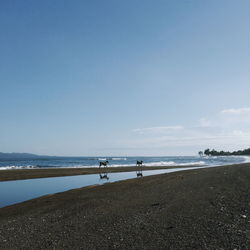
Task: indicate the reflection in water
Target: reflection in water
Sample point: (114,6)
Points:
(139,173)
(12,192)
(103,171)
(104,176)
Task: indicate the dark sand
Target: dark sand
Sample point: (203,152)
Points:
(21,174)
(198,209)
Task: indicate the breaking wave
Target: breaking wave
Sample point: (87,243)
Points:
(18,167)
(246,159)
(119,159)
(172,163)
(86,162)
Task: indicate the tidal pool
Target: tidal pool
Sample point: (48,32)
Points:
(12,192)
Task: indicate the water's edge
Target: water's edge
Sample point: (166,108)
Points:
(93,162)
(13,192)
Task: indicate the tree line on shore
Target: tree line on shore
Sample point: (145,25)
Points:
(214,152)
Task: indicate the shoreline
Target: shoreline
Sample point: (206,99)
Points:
(24,174)
(199,209)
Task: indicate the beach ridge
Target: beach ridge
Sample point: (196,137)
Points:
(201,209)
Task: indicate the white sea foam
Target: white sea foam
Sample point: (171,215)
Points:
(160,163)
(246,159)
(119,159)
(149,164)
(127,162)
(121,165)
(199,163)
(172,163)
(18,167)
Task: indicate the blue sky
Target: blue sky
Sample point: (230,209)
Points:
(134,77)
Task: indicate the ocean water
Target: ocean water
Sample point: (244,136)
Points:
(86,162)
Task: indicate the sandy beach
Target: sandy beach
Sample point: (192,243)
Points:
(197,209)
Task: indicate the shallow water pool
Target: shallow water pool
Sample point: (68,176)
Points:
(12,192)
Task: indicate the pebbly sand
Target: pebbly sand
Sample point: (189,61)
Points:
(197,209)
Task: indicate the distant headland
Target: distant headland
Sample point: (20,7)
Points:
(19,155)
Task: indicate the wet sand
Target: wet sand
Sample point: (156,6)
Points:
(197,209)
(21,174)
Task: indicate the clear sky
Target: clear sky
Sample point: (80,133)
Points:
(133,77)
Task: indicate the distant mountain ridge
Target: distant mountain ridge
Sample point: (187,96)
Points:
(19,155)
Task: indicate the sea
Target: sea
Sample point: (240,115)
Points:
(93,162)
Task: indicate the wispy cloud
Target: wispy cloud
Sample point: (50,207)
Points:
(204,122)
(238,111)
(158,130)
(235,117)
(228,129)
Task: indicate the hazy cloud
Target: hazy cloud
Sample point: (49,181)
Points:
(205,123)
(239,111)
(158,130)
(229,129)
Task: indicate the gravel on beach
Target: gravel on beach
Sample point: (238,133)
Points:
(196,209)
